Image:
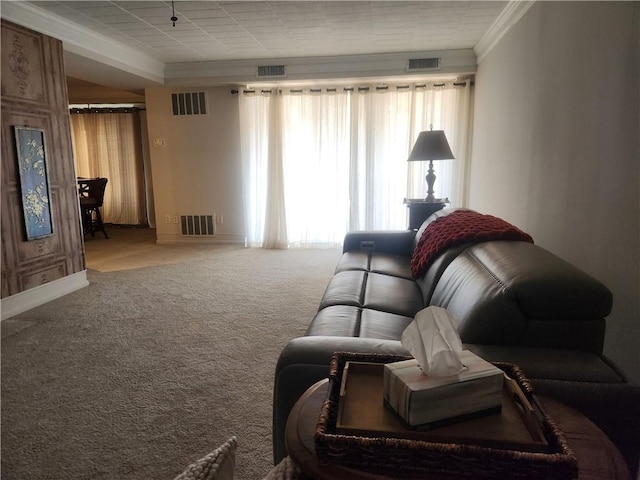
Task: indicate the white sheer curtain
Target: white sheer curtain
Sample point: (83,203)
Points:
(320,162)
(316,164)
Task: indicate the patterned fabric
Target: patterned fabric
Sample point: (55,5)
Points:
(218,465)
(285,470)
(460,226)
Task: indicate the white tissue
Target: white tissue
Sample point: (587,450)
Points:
(433,340)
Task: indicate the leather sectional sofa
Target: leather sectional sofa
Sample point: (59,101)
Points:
(515,302)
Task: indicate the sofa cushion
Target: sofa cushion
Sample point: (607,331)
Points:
(353,261)
(388,264)
(345,288)
(383,325)
(392,294)
(349,321)
(376,291)
(377,262)
(336,320)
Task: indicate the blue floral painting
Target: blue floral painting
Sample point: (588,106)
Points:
(32,166)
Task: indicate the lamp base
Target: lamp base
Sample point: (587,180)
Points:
(430,178)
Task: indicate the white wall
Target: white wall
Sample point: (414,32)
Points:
(556,146)
(197,171)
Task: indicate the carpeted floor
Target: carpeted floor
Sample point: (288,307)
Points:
(150,368)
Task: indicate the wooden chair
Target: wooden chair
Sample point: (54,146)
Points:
(91,191)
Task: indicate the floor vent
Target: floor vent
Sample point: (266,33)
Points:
(189,103)
(423,64)
(198,225)
(271,71)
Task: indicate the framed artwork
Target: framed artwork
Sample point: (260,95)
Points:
(34,182)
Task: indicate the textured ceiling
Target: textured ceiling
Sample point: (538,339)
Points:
(211,31)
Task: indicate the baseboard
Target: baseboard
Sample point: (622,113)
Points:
(34,297)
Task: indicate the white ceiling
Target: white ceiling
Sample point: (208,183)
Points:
(209,31)
(133,43)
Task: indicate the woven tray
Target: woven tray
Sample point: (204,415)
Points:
(413,457)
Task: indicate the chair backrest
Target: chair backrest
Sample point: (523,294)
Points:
(93,188)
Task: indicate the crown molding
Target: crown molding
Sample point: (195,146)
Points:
(452,63)
(514,10)
(82,41)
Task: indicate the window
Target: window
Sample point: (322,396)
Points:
(318,163)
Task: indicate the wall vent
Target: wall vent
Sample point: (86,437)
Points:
(198,225)
(423,64)
(271,71)
(189,103)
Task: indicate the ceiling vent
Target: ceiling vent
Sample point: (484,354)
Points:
(421,64)
(271,71)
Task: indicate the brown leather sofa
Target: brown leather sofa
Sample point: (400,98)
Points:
(515,302)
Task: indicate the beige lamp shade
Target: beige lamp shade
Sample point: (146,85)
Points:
(431,145)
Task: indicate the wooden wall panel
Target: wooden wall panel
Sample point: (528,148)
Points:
(34,94)
(22,57)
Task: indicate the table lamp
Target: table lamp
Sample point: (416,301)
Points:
(431,145)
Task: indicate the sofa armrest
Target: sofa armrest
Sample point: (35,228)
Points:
(305,361)
(398,242)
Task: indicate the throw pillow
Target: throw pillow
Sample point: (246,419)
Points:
(285,470)
(218,465)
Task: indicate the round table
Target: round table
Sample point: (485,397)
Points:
(598,458)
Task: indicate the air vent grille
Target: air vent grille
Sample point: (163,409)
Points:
(197,225)
(423,64)
(272,71)
(189,103)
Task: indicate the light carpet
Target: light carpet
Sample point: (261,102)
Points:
(148,369)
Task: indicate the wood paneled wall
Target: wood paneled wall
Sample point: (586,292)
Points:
(34,94)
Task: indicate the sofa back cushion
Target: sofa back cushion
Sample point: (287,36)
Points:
(429,280)
(456,228)
(515,293)
(440,240)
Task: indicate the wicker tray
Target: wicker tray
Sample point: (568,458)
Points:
(413,457)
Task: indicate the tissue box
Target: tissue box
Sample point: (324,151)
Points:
(428,401)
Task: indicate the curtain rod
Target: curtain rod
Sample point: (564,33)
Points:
(349,89)
(76,110)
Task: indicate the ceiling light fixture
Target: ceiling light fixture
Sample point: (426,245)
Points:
(173,18)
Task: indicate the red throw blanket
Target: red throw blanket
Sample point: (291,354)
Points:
(460,226)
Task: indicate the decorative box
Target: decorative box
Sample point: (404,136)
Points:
(428,401)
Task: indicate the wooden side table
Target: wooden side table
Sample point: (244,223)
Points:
(598,458)
(420,210)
